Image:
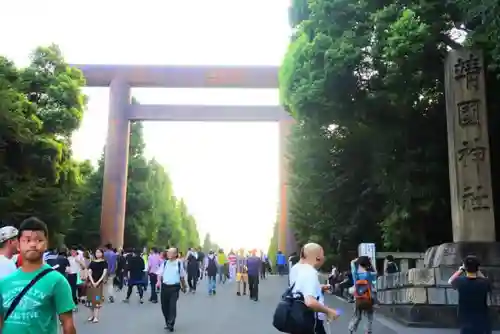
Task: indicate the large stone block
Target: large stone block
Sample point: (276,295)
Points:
(452,254)
(390,281)
(493,274)
(421,277)
(380,283)
(413,296)
(436,296)
(386,297)
(389,296)
(443,274)
(451,296)
(392,296)
(381,297)
(403,279)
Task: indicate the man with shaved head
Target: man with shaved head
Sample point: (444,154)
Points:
(304,279)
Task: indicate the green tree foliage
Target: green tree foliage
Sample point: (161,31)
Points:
(273,244)
(209,245)
(40,106)
(154,216)
(364,81)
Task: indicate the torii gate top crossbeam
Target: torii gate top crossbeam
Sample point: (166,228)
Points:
(169,76)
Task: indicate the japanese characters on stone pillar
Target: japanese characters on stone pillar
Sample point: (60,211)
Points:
(468,147)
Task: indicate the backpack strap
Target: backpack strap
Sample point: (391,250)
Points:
(18,298)
(288,292)
(179,267)
(163,267)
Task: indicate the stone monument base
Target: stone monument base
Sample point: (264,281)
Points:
(423,297)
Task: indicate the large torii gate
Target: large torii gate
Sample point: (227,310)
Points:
(120,79)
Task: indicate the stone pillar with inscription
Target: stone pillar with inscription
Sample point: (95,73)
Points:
(473,218)
(422,296)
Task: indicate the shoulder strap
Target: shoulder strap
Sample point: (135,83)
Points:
(288,292)
(179,267)
(18,298)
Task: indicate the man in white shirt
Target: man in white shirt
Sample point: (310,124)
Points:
(304,278)
(8,247)
(171,277)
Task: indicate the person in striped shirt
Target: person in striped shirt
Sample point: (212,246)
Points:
(241,274)
(232,258)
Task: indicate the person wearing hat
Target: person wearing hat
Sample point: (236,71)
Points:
(8,247)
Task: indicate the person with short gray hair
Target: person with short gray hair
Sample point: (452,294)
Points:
(171,278)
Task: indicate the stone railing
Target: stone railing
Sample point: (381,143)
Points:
(417,286)
(405,260)
(422,297)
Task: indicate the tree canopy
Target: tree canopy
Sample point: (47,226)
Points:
(368,153)
(40,107)
(209,245)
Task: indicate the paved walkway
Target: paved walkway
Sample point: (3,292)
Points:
(223,313)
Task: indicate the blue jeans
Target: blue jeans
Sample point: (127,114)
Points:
(211,283)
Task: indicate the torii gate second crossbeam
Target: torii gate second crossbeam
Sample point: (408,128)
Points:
(120,79)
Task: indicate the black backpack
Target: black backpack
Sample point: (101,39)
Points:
(292,315)
(211,267)
(201,256)
(192,259)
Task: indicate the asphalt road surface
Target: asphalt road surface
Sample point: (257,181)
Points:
(224,313)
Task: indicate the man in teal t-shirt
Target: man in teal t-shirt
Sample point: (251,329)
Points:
(48,302)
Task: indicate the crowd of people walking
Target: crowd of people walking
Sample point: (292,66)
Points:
(89,278)
(40,290)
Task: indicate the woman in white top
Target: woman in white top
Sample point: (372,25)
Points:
(73,271)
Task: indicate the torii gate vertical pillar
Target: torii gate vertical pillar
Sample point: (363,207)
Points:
(286,240)
(114,191)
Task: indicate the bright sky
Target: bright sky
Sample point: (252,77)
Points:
(226,172)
